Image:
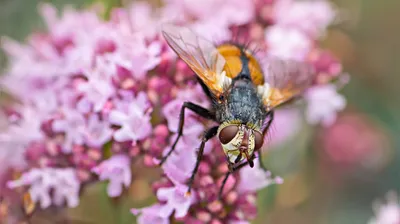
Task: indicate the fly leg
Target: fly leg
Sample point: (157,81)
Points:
(232,169)
(207,136)
(196,109)
(271,118)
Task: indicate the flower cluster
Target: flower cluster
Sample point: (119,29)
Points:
(94,95)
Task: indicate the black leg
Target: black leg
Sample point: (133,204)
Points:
(232,169)
(196,109)
(271,118)
(207,136)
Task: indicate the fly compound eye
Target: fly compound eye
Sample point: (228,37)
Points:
(228,133)
(259,140)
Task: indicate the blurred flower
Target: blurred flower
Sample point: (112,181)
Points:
(17,136)
(287,122)
(311,17)
(142,19)
(287,43)
(73,125)
(97,132)
(117,170)
(326,64)
(322,104)
(387,212)
(356,140)
(63,182)
(151,214)
(234,12)
(98,89)
(133,54)
(24,127)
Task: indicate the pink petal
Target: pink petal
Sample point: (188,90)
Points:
(117,117)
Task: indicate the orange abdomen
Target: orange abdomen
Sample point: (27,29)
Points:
(234,64)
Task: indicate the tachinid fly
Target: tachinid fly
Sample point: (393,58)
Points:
(243,96)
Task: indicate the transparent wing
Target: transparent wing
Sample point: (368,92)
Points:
(286,79)
(199,54)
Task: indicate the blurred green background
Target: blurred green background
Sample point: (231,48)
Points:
(318,188)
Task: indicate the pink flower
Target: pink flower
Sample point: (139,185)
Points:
(179,165)
(133,117)
(133,54)
(117,170)
(151,214)
(234,12)
(67,23)
(97,132)
(68,188)
(311,17)
(212,30)
(21,56)
(73,125)
(387,213)
(325,63)
(239,222)
(212,26)
(323,102)
(46,103)
(147,60)
(175,199)
(142,19)
(355,141)
(98,89)
(25,128)
(16,137)
(63,182)
(287,43)
(254,179)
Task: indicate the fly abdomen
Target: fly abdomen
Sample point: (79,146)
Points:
(245,72)
(241,63)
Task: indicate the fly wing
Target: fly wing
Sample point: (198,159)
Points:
(200,55)
(284,80)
